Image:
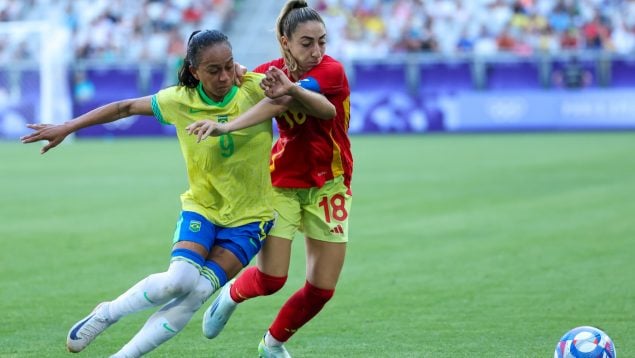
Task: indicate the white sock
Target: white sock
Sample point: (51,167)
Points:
(168,321)
(153,334)
(156,289)
(272,342)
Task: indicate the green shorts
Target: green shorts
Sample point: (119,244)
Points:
(320,213)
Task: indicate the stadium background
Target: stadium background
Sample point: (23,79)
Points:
(491,244)
(414,66)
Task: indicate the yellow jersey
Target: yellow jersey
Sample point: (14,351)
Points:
(229,180)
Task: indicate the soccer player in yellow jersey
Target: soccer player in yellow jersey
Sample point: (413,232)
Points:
(226,211)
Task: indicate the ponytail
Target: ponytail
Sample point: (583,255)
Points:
(293,13)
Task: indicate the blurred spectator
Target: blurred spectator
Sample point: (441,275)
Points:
(485,44)
(487,27)
(623,39)
(546,41)
(628,13)
(505,41)
(570,39)
(417,36)
(595,33)
(560,18)
(103,29)
(499,13)
(465,43)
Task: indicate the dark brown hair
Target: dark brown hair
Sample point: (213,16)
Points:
(198,41)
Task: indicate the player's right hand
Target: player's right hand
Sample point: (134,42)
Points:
(276,84)
(53,133)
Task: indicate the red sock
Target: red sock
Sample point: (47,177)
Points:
(253,283)
(298,310)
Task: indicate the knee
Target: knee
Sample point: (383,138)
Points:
(181,278)
(203,290)
(177,286)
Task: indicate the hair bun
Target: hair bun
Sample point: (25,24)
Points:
(300,4)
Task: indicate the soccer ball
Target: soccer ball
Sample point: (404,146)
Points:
(585,342)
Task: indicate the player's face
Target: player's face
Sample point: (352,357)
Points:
(307,44)
(216,71)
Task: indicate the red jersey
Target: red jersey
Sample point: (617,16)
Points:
(311,151)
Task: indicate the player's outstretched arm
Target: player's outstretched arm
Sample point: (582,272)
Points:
(55,133)
(205,128)
(276,84)
(264,110)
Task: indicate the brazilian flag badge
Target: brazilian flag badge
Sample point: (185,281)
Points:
(195,226)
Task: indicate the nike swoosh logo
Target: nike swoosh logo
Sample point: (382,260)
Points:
(165,325)
(145,295)
(73,334)
(192,110)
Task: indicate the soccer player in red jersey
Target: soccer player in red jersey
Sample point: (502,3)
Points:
(311,167)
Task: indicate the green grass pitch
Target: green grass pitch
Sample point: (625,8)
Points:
(461,246)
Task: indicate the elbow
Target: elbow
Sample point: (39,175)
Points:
(280,111)
(281,104)
(328,112)
(331,112)
(124,108)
